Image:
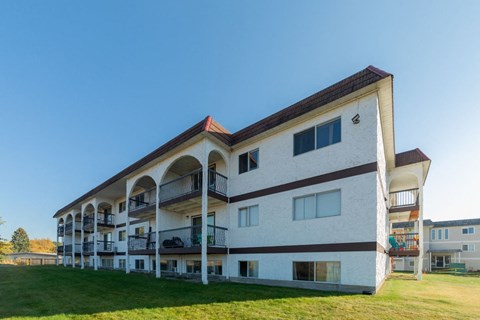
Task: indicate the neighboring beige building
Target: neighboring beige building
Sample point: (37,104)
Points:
(445,242)
(32,258)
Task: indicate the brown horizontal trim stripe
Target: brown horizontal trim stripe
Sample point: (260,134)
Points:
(327,247)
(121,225)
(403,209)
(341,174)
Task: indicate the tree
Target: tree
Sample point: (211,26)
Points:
(42,245)
(20,241)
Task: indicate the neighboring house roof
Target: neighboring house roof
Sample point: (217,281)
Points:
(439,224)
(336,91)
(444,250)
(410,157)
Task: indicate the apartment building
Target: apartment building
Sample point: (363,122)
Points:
(303,198)
(445,242)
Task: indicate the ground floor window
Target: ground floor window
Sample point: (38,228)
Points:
(320,271)
(248,269)
(139,264)
(213,267)
(107,263)
(122,263)
(168,265)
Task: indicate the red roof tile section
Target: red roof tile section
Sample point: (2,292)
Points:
(410,157)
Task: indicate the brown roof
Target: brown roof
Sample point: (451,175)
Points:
(410,157)
(340,89)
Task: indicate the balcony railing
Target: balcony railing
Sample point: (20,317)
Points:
(404,198)
(142,200)
(60,248)
(142,241)
(401,242)
(69,227)
(61,231)
(192,236)
(191,183)
(102,246)
(102,219)
(68,248)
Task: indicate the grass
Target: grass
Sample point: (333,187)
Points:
(59,293)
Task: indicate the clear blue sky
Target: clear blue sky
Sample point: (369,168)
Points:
(88,87)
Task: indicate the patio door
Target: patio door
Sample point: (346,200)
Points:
(197,227)
(441,261)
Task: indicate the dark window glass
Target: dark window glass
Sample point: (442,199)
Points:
(253,159)
(303,271)
(122,206)
(243,163)
(139,264)
(328,133)
(243,265)
(304,141)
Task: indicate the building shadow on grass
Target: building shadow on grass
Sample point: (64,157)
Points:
(49,290)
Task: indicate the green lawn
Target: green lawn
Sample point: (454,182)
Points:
(58,293)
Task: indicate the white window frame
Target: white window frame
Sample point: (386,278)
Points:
(446,234)
(315,197)
(470,247)
(433,234)
(248,160)
(440,234)
(468,228)
(315,270)
(248,222)
(248,268)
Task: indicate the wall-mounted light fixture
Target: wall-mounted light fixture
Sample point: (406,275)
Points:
(356,119)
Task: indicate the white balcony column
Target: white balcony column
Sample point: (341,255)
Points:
(95,239)
(420,231)
(73,241)
(204,214)
(416,259)
(127,228)
(157,236)
(82,234)
(56,247)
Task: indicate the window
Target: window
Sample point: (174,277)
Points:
(248,269)
(317,137)
(318,205)
(248,161)
(122,206)
(446,234)
(468,247)
(213,267)
(139,264)
(304,141)
(319,271)
(168,265)
(139,231)
(122,235)
(107,263)
(411,263)
(469,230)
(248,216)
(194,266)
(433,234)
(122,264)
(439,233)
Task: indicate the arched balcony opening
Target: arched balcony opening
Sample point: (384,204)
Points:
(143,198)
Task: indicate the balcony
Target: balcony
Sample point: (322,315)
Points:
(404,205)
(142,244)
(188,240)
(60,248)
(142,205)
(103,247)
(104,221)
(61,231)
(69,227)
(184,194)
(404,245)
